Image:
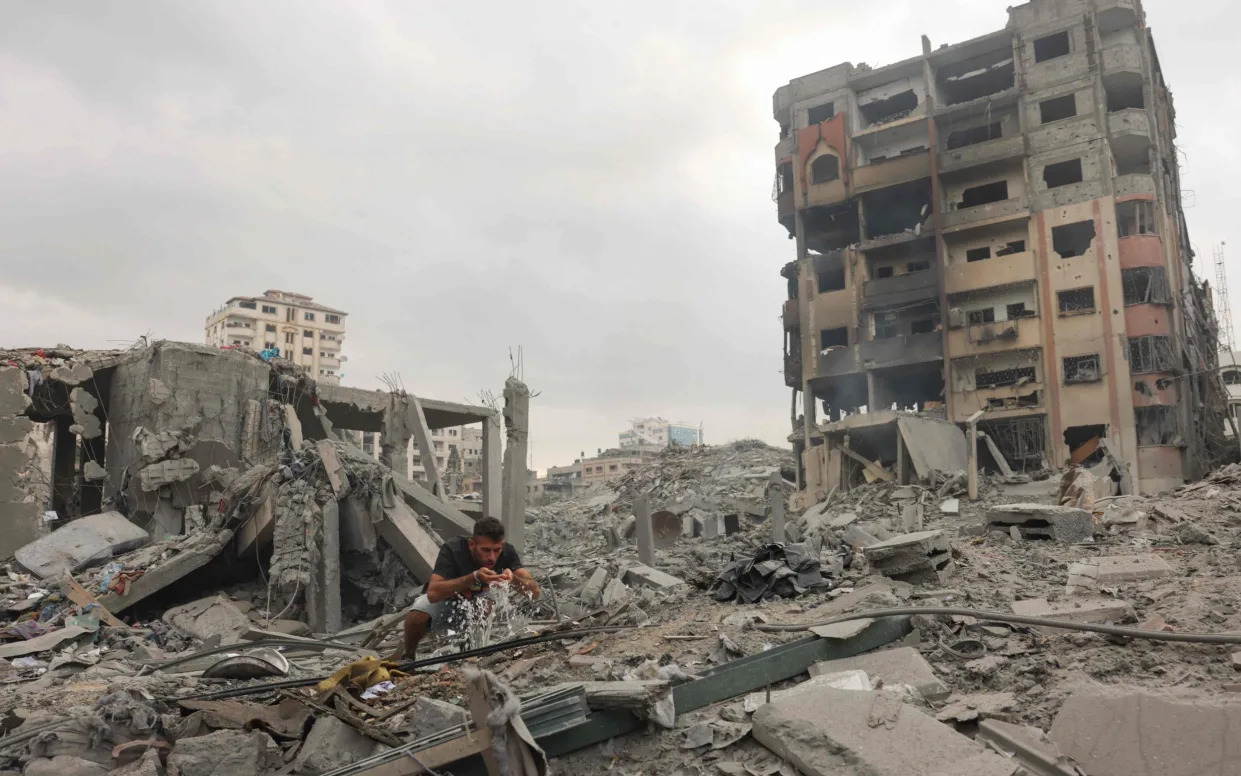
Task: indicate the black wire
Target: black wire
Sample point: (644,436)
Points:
(411,665)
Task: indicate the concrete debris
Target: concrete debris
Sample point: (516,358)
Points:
(214,616)
(271,518)
(1112,570)
(332,744)
(1084,609)
(157,475)
(1043,521)
(232,752)
(840,731)
(916,558)
(1117,731)
(81,543)
(890,667)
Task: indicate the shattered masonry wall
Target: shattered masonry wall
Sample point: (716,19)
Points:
(203,395)
(25,485)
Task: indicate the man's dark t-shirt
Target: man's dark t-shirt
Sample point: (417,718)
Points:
(455,561)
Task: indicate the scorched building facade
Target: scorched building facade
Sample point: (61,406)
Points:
(997,226)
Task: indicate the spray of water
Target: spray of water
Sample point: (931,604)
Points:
(493,616)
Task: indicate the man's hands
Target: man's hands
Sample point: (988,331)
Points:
(489,577)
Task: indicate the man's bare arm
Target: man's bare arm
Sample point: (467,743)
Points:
(525,582)
(440,589)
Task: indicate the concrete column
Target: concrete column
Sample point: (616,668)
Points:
(329,569)
(493,484)
(517,431)
(64,467)
(776,492)
(971,453)
(644,531)
(394,440)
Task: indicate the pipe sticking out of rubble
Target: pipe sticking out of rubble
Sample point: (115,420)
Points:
(411,665)
(1017,619)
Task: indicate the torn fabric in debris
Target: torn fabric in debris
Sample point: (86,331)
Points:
(783,570)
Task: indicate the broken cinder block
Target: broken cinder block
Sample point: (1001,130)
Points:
(920,557)
(1043,521)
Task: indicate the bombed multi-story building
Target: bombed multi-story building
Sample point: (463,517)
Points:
(997,226)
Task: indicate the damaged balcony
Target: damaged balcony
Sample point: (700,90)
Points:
(1001,319)
(895,153)
(1129,123)
(902,290)
(901,350)
(1135,185)
(997,149)
(993,271)
(1122,58)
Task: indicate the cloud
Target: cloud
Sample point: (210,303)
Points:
(587,181)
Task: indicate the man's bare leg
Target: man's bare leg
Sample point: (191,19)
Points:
(416,626)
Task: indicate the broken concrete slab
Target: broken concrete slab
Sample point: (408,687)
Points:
(1030,746)
(81,543)
(157,475)
(332,744)
(1085,609)
(833,732)
(844,520)
(1117,731)
(592,591)
(916,558)
(231,752)
(646,576)
(903,665)
(951,506)
(192,554)
(615,592)
(208,617)
(856,681)
(1111,570)
(41,643)
(446,520)
(857,537)
(413,544)
(933,445)
(430,716)
(64,765)
(1043,521)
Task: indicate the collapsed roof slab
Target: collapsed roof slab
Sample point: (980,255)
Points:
(362,410)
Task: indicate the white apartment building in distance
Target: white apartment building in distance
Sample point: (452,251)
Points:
(656,434)
(305,332)
(466,440)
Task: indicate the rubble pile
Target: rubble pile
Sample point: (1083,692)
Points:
(232,604)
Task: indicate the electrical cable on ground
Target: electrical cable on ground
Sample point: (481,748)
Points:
(1018,619)
(411,665)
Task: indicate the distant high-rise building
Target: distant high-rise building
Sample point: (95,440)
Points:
(657,433)
(304,331)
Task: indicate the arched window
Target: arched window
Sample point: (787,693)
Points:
(1232,377)
(825,169)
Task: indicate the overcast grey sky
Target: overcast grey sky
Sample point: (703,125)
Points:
(588,180)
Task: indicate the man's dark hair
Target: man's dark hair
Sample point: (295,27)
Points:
(489,527)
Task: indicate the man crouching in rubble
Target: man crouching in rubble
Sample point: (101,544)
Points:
(465,568)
